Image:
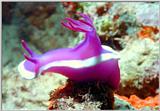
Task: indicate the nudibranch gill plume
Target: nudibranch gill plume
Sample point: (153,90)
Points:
(87,61)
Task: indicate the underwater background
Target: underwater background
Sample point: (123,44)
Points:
(130,28)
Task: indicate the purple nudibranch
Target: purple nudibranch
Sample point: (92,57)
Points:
(89,60)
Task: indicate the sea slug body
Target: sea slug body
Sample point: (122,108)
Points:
(89,60)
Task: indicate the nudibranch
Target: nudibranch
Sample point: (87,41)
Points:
(87,61)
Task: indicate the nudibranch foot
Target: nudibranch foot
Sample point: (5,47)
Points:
(26,74)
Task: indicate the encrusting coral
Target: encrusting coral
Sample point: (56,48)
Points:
(140,103)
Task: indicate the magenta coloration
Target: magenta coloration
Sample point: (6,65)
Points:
(87,61)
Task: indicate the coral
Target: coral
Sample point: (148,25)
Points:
(102,10)
(112,21)
(38,22)
(140,74)
(70,104)
(117,28)
(18,93)
(79,97)
(147,13)
(7,9)
(71,8)
(141,103)
(92,8)
(36,14)
(147,108)
(121,104)
(10,50)
(41,22)
(117,24)
(148,32)
(84,93)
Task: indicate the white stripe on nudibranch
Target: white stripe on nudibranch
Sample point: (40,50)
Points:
(109,49)
(81,63)
(25,73)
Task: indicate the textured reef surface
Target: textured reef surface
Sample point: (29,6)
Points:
(130,28)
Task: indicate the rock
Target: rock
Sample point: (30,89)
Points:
(41,24)
(12,53)
(19,93)
(139,72)
(7,8)
(148,13)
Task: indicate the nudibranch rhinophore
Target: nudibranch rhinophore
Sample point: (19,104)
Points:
(87,61)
